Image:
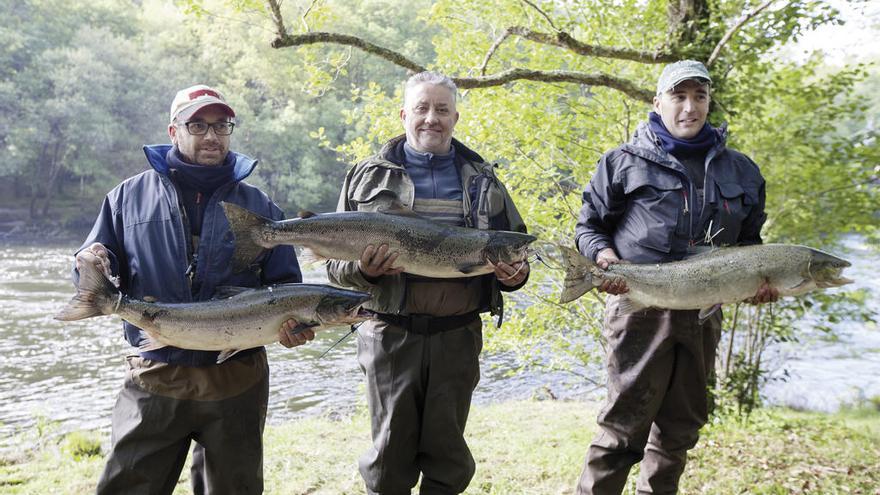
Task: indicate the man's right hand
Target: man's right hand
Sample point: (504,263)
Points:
(375,263)
(605,258)
(97,255)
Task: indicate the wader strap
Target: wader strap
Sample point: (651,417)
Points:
(427,324)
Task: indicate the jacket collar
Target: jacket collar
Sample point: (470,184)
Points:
(645,144)
(244,165)
(393,152)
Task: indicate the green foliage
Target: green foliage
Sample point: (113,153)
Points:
(79,445)
(532,447)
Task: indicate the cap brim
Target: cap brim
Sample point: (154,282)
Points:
(700,79)
(188,113)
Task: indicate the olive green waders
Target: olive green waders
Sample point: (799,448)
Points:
(658,364)
(162,408)
(419,390)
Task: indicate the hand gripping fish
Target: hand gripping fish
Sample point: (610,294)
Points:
(426,248)
(245,319)
(707,280)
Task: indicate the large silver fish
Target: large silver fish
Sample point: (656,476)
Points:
(426,248)
(707,280)
(247,318)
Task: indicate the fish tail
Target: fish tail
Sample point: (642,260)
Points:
(244,224)
(578,274)
(95,296)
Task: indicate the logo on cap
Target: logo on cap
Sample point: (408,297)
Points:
(191,100)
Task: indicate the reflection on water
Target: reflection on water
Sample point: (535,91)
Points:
(70,373)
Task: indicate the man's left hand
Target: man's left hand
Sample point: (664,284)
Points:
(288,339)
(511,275)
(766,294)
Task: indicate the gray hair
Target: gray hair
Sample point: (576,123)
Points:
(428,77)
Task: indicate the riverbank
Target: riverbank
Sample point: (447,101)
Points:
(528,448)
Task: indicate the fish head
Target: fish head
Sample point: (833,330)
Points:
(826,270)
(342,307)
(508,247)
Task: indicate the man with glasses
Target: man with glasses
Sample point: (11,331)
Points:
(163,235)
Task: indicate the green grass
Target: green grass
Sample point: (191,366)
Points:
(530,448)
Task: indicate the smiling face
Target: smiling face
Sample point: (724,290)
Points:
(684,108)
(429,117)
(207,149)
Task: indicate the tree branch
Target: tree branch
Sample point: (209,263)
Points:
(492,52)
(623,85)
(564,40)
(347,40)
(544,14)
(275,12)
(736,27)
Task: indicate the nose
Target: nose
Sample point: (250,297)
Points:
(689,104)
(211,135)
(431,117)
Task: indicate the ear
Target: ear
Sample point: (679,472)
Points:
(402,114)
(172,133)
(657,104)
(455,120)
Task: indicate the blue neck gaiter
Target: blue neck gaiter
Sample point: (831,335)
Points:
(203,178)
(683,148)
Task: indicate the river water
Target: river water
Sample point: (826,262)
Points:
(68,374)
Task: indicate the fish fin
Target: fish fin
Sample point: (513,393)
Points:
(578,274)
(95,296)
(697,251)
(626,306)
(398,208)
(307,256)
(244,224)
(707,312)
(226,354)
(149,299)
(227,291)
(307,214)
(148,344)
(469,267)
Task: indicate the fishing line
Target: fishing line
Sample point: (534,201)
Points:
(353,330)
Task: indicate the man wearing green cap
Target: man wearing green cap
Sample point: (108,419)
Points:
(673,188)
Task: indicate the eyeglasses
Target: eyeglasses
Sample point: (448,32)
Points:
(201,128)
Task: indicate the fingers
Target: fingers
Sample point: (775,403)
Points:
(614,286)
(511,275)
(289,334)
(376,262)
(766,294)
(97,255)
(606,257)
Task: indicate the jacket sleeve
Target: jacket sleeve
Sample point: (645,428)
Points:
(514,219)
(280,266)
(750,233)
(347,273)
(603,204)
(108,230)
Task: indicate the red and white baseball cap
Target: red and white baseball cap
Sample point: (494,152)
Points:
(189,101)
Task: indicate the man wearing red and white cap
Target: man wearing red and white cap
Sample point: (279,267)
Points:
(163,234)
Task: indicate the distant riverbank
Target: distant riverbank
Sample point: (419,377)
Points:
(523,448)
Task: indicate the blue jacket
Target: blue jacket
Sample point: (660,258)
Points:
(141,225)
(638,202)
